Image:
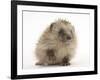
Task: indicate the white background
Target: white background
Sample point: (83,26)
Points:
(5,30)
(34,23)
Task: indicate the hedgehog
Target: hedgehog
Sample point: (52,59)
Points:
(57,44)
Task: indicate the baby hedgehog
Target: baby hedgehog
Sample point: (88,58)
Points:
(57,44)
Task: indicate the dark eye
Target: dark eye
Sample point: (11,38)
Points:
(61,32)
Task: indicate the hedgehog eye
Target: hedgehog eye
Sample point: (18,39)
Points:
(61,31)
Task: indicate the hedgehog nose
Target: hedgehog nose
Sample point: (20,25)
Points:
(68,37)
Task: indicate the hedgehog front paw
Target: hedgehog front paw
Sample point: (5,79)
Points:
(65,61)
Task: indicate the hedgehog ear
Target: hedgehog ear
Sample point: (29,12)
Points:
(51,26)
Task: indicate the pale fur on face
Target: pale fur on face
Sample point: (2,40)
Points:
(56,43)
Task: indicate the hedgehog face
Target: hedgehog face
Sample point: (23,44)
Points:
(64,31)
(64,36)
